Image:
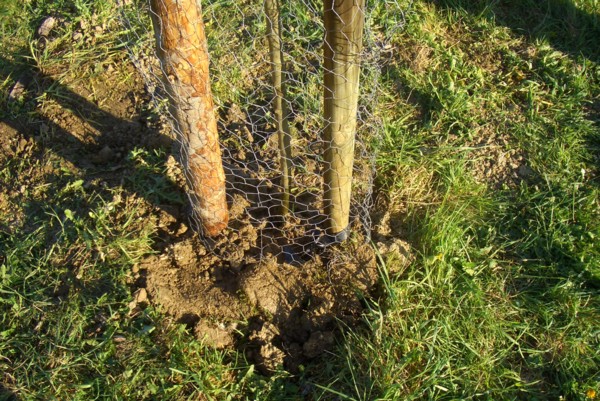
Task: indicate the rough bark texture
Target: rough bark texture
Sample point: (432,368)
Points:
(183,52)
(272,11)
(344,22)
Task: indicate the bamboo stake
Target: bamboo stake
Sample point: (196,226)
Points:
(272,11)
(344,22)
(183,53)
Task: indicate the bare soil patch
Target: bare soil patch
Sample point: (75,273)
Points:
(496,163)
(237,291)
(281,314)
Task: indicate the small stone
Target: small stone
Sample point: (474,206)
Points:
(22,145)
(217,336)
(119,339)
(182,229)
(17,91)
(47,26)
(104,156)
(141,296)
(134,309)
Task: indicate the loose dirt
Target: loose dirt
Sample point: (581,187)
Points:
(236,291)
(495,162)
(280,314)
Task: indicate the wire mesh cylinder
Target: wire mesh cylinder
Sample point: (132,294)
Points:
(252,109)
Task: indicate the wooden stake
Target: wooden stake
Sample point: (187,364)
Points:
(280,108)
(183,52)
(344,22)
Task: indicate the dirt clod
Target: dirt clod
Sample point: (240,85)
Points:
(267,356)
(141,296)
(495,162)
(398,253)
(274,288)
(318,343)
(47,26)
(17,91)
(215,335)
(105,155)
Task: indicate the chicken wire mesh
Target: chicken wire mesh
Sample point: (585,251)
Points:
(256,161)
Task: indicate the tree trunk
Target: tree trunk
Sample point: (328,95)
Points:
(183,52)
(280,108)
(344,22)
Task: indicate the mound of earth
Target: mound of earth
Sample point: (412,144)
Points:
(280,314)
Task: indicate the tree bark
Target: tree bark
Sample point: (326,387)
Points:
(183,52)
(344,22)
(280,108)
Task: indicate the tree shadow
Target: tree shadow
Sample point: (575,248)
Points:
(59,138)
(555,267)
(77,135)
(565,26)
(92,138)
(550,235)
(72,138)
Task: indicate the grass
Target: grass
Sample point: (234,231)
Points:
(501,300)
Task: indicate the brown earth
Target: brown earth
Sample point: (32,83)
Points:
(495,162)
(279,313)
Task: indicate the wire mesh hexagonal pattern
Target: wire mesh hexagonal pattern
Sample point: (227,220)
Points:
(272,106)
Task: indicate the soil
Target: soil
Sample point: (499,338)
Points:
(496,163)
(280,314)
(233,292)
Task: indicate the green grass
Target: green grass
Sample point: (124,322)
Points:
(502,300)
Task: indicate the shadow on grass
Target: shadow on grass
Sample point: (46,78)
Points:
(94,148)
(555,280)
(547,232)
(560,22)
(80,158)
